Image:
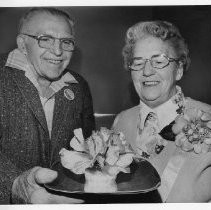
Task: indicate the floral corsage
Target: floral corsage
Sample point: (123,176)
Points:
(105,150)
(193,131)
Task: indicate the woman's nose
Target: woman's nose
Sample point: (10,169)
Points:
(148,69)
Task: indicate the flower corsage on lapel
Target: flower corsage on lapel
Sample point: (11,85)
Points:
(193,131)
(100,157)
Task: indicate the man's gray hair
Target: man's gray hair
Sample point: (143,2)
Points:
(49,10)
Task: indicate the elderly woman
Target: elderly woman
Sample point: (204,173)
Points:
(157,57)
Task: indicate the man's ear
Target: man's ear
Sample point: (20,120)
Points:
(21,44)
(180,71)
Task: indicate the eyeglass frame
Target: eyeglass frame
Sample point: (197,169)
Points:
(150,61)
(43,35)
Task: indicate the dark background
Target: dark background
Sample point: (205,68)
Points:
(100,32)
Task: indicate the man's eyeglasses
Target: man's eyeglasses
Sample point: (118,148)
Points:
(156,61)
(47,41)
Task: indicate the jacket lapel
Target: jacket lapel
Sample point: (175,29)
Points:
(30,94)
(63,107)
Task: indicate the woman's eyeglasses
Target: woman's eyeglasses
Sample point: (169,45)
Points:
(157,61)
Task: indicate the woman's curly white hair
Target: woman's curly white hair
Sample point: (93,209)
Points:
(163,30)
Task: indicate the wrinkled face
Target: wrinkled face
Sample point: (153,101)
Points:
(47,64)
(155,86)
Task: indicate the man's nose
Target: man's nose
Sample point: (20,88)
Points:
(148,69)
(56,48)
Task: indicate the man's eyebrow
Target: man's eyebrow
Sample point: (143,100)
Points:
(137,58)
(49,35)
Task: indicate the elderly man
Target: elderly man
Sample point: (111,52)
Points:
(41,103)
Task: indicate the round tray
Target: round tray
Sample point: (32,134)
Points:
(142,179)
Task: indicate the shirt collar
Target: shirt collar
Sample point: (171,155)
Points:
(16,59)
(166,112)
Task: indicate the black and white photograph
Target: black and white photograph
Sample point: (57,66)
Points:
(105,104)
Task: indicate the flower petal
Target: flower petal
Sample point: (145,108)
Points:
(197,148)
(99,144)
(79,135)
(199,114)
(76,145)
(112,155)
(206,116)
(90,146)
(178,142)
(105,133)
(180,138)
(125,160)
(100,161)
(187,146)
(207,140)
(81,166)
(77,162)
(179,125)
(208,124)
(205,147)
(114,170)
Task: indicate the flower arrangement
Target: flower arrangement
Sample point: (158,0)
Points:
(105,150)
(193,131)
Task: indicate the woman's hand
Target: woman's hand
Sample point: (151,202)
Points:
(27,188)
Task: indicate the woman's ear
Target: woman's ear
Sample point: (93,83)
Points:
(21,44)
(180,71)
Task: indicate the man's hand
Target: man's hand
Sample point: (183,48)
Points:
(28,188)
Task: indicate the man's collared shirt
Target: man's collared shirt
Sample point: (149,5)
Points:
(18,60)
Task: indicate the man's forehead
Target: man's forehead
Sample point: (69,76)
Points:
(43,22)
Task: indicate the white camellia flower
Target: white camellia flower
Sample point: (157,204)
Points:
(109,150)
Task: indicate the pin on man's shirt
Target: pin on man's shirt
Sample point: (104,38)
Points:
(69,94)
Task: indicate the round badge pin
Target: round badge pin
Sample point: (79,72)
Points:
(69,94)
